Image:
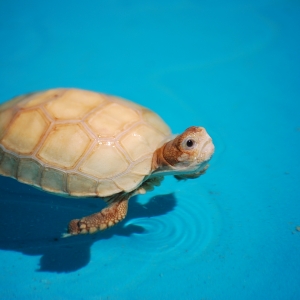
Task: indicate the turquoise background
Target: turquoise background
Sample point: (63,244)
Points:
(232,67)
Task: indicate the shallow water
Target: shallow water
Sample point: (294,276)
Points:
(233,69)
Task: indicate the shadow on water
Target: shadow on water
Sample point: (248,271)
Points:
(33,221)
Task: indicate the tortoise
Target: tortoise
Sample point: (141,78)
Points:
(81,143)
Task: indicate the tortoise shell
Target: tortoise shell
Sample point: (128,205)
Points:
(77,142)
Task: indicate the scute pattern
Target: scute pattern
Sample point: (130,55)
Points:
(143,140)
(9,165)
(78,142)
(64,146)
(29,171)
(5,117)
(73,104)
(80,185)
(107,187)
(25,131)
(111,120)
(155,121)
(105,161)
(53,180)
(35,99)
(143,167)
(129,181)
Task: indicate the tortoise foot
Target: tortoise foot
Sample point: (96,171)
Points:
(107,217)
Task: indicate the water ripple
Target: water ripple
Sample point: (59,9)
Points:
(189,229)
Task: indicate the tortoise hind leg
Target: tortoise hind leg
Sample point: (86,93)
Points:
(107,217)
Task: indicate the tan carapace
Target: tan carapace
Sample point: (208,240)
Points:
(86,144)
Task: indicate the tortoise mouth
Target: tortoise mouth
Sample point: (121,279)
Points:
(206,151)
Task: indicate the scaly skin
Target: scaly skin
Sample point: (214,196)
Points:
(112,214)
(107,217)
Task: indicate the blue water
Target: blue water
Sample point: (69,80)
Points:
(232,67)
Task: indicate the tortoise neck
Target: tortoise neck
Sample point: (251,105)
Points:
(159,163)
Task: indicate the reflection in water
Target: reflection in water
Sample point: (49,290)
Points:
(33,221)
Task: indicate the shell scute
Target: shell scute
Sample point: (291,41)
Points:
(25,132)
(73,104)
(79,185)
(143,167)
(29,171)
(36,99)
(104,161)
(9,165)
(111,120)
(156,121)
(141,141)
(129,181)
(53,180)
(64,146)
(5,118)
(106,188)
(16,102)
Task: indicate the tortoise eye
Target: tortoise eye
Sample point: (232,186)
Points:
(190,143)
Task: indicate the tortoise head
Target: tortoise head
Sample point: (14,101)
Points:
(185,156)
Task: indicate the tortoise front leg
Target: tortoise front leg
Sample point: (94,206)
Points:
(107,217)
